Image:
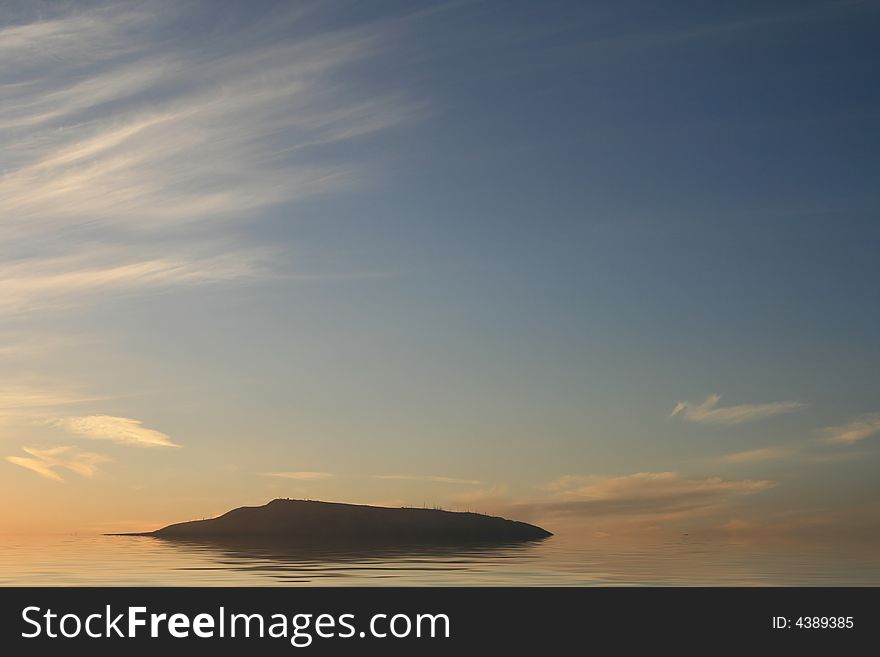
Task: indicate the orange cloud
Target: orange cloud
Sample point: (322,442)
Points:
(45,461)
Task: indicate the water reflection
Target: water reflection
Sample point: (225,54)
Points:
(286,560)
(560,560)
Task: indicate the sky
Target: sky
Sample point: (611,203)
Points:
(607,266)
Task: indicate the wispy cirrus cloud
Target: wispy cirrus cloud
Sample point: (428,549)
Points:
(304,475)
(35,398)
(639,502)
(95,34)
(853,432)
(758,455)
(431,478)
(25,346)
(198,130)
(123,153)
(643,494)
(24,409)
(29,404)
(708,412)
(60,282)
(122,430)
(47,462)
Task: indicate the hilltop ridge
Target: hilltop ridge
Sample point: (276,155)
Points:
(308,519)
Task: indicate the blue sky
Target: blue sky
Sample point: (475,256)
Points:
(466,253)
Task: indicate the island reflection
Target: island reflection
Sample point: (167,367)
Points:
(266,553)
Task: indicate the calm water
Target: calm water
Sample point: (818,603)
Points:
(142,561)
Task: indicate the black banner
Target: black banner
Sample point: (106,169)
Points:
(113,621)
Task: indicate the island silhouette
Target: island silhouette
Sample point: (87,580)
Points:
(334,522)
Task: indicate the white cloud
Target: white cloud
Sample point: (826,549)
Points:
(710,413)
(45,461)
(431,478)
(117,150)
(134,151)
(853,432)
(121,430)
(301,476)
(192,131)
(86,37)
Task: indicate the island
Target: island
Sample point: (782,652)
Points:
(311,520)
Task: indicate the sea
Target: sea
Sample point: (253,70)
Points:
(96,560)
